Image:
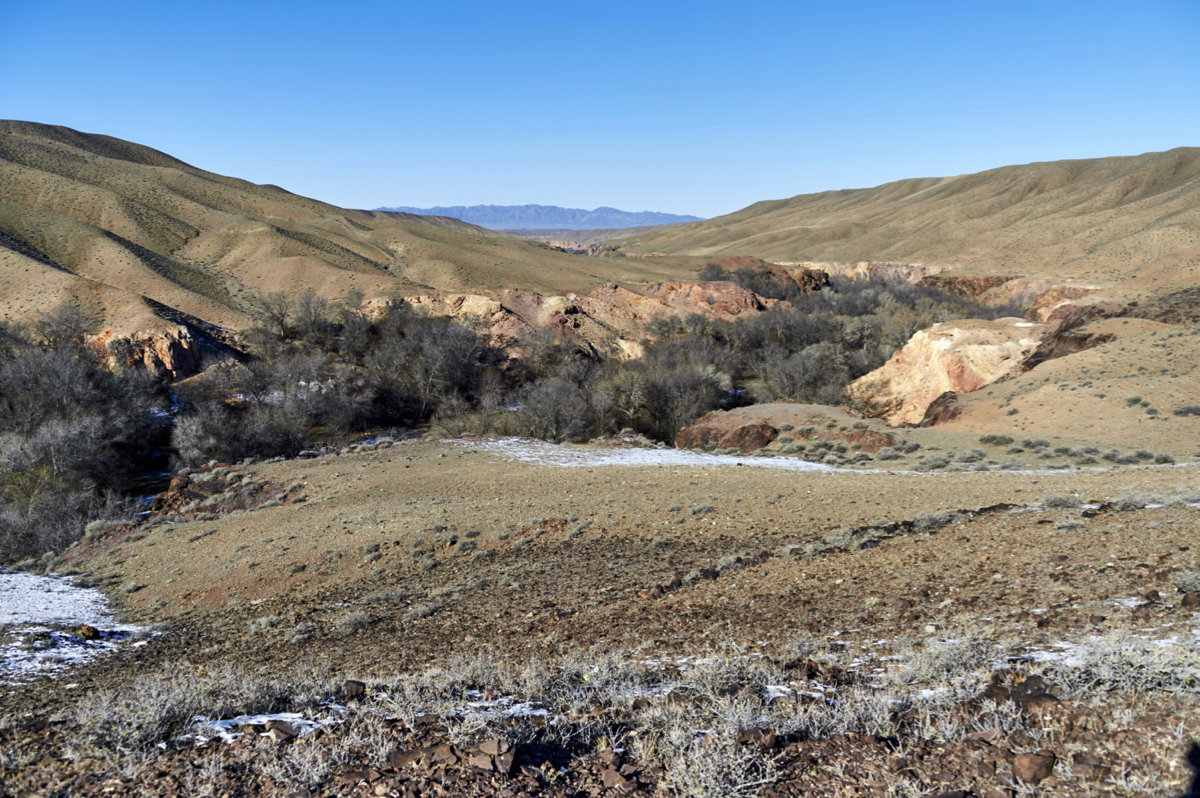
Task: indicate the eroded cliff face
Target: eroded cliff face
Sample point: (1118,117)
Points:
(908,272)
(610,319)
(170,351)
(956,356)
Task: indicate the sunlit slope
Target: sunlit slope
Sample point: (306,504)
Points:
(119,223)
(1105,219)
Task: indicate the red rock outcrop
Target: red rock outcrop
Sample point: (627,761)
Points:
(611,318)
(749,429)
(962,285)
(172,351)
(1058,302)
(808,280)
(709,432)
(909,272)
(956,356)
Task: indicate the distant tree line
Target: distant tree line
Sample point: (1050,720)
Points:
(72,434)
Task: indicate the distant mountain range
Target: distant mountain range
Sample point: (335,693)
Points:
(548,217)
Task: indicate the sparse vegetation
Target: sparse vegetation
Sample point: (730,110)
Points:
(726,737)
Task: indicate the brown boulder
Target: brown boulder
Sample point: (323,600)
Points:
(750,438)
(745,438)
(280,731)
(1034,768)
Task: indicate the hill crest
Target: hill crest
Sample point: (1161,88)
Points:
(1097,220)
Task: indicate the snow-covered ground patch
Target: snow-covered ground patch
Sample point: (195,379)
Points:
(566,455)
(499,708)
(40,622)
(569,456)
(227,729)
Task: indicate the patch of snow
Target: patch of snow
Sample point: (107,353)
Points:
(773,691)
(31,599)
(35,610)
(225,728)
(1128,603)
(504,707)
(568,456)
(1063,653)
(932,694)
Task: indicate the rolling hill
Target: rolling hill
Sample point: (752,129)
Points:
(136,234)
(1101,221)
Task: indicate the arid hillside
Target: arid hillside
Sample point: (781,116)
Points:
(1100,221)
(137,233)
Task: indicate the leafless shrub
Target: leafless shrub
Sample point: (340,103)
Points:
(132,722)
(1123,663)
(350,622)
(1060,501)
(1188,581)
(717,768)
(425,610)
(263,624)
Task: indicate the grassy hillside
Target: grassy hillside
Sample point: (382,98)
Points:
(1099,220)
(115,223)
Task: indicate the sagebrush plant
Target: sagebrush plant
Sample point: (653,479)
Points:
(717,767)
(1060,501)
(1125,663)
(1188,581)
(132,722)
(931,690)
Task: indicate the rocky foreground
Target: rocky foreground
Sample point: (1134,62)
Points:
(423,618)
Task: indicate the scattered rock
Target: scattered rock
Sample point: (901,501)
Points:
(280,731)
(612,778)
(1034,768)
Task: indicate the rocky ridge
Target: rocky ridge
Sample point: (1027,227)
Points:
(610,319)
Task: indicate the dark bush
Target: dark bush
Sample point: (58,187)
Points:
(70,432)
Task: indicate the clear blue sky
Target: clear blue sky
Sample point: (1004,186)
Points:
(691,107)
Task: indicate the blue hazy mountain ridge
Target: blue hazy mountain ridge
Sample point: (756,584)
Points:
(548,217)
